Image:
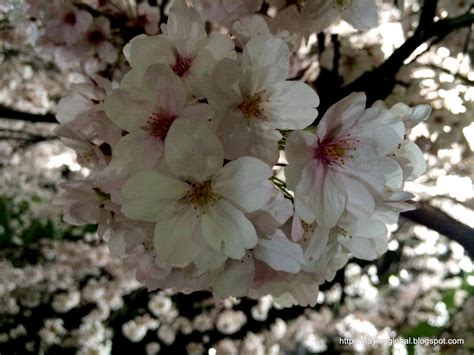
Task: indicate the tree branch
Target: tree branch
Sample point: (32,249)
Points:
(379,83)
(437,220)
(8,113)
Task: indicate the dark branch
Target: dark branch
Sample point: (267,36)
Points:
(437,220)
(379,83)
(8,113)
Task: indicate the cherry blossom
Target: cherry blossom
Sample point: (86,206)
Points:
(344,166)
(254,100)
(147,114)
(183,45)
(317,15)
(68,24)
(206,200)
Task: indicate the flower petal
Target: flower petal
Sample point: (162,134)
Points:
(235,278)
(244,182)
(291,105)
(192,150)
(175,231)
(265,62)
(227,230)
(280,253)
(165,87)
(128,108)
(148,192)
(128,154)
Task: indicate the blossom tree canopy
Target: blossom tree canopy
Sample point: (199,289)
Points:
(244,148)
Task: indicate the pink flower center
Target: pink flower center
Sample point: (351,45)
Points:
(159,124)
(96,37)
(70,18)
(182,64)
(334,151)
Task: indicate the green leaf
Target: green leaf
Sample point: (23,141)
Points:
(421,330)
(448,299)
(6,233)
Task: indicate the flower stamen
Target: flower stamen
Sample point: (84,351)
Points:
(251,106)
(200,195)
(181,65)
(159,123)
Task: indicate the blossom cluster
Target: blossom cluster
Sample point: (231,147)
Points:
(185,158)
(82,36)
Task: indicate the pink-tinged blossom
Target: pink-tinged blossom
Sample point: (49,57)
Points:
(408,154)
(225,12)
(83,203)
(67,24)
(252,100)
(279,252)
(149,18)
(271,216)
(344,165)
(183,45)
(133,241)
(147,114)
(286,288)
(208,201)
(97,41)
(318,15)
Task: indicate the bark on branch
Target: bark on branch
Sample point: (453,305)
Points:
(437,220)
(379,83)
(8,113)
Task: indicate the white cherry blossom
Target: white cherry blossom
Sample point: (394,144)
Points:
(344,166)
(206,199)
(252,100)
(147,113)
(318,15)
(183,45)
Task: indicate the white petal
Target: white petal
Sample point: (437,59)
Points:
(184,22)
(144,50)
(221,87)
(175,231)
(196,111)
(192,150)
(411,159)
(280,253)
(320,194)
(245,183)
(332,201)
(227,230)
(265,62)
(209,260)
(135,152)
(361,14)
(360,202)
(263,142)
(276,212)
(128,109)
(235,279)
(291,105)
(241,137)
(342,115)
(148,192)
(166,88)
(298,151)
(234,133)
(305,194)
(317,244)
(69,107)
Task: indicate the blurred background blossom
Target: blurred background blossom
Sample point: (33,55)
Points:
(61,290)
